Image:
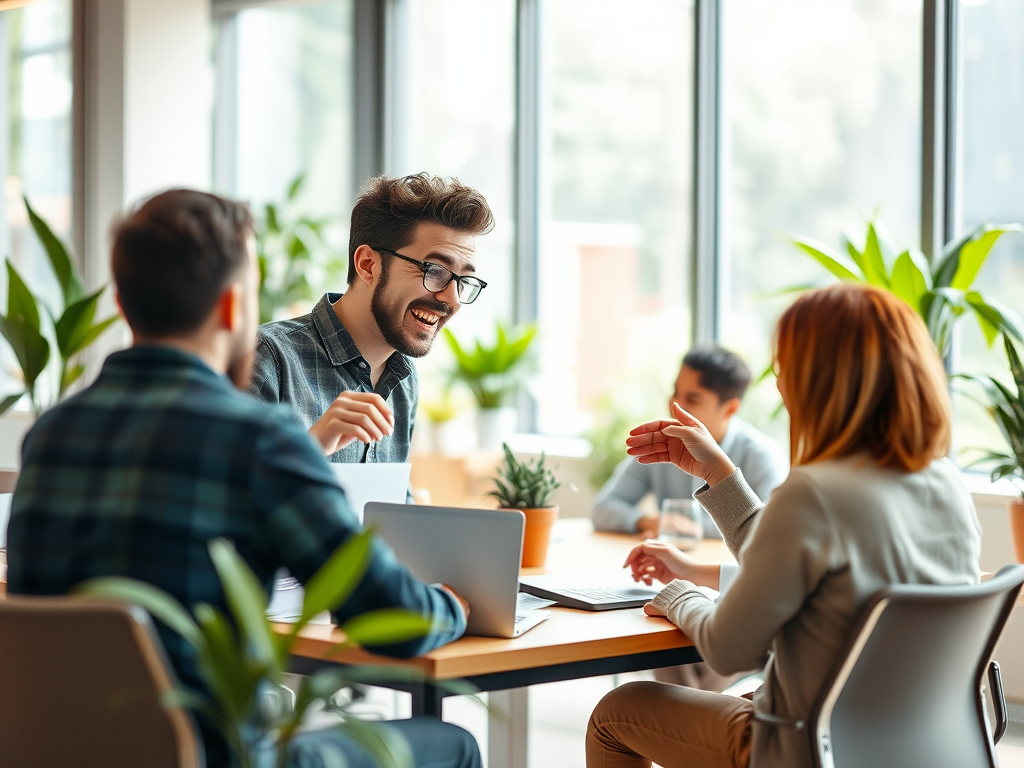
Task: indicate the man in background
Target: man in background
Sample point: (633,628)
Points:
(346,368)
(137,473)
(710,385)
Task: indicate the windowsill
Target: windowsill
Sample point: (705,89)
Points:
(551,445)
(981,487)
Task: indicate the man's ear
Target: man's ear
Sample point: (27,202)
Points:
(731,406)
(366,262)
(229,307)
(120,309)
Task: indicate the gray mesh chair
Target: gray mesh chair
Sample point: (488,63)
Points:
(909,689)
(80,684)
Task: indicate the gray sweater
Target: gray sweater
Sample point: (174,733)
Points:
(833,534)
(763,461)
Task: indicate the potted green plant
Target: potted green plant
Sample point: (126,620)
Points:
(494,375)
(440,412)
(242,658)
(294,259)
(941,291)
(1007,408)
(528,486)
(72,328)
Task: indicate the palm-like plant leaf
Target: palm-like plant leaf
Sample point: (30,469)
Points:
(60,261)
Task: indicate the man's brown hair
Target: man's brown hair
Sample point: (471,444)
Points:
(174,255)
(387,212)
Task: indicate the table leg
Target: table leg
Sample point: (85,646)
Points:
(426,700)
(507,728)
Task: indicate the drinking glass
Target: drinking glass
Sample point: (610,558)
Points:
(681,523)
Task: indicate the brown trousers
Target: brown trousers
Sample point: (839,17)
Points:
(673,726)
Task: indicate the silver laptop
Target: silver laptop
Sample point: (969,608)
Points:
(476,552)
(372,482)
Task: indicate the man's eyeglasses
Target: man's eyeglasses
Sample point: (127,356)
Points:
(436,278)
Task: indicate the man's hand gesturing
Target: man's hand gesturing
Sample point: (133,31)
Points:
(362,416)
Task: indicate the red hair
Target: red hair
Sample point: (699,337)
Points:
(861,373)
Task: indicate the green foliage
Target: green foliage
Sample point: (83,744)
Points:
(73,330)
(941,292)
(243,656)
(524,484)
(296,264)
(493,374)
(439,410)
(608,442)
(1007,409)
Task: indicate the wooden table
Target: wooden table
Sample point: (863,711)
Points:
(569,645)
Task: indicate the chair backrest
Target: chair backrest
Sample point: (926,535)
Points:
(80,684)
(908,689)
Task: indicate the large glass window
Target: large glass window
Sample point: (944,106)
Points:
(616,171)
(992,183)
(822,125)
(35,145)
(459,120)
(285,109)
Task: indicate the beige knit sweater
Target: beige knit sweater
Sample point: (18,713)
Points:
(833,534)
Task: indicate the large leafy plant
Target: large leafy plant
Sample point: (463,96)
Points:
(243,657)
(296,264)
(71,328)
(1007,408)
(524,484)
(494,373)
(941,291)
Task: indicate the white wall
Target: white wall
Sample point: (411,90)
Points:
(146,94)
(168,96)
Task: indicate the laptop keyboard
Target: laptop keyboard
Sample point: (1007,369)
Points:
(599,595)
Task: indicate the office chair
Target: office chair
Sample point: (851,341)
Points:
(80,684)
(908,691)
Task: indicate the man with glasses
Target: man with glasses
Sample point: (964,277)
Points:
(345,367)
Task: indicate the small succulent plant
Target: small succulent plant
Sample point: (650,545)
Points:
(524,484)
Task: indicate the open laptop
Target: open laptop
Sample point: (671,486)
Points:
(597,592)
(476,552)
(363,483)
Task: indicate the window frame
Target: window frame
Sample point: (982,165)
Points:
(379,75)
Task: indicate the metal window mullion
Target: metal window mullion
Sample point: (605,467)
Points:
(225,115)
(396,75)
(707,161)
(529,189)
(529,140)
(368,91)
(940,155)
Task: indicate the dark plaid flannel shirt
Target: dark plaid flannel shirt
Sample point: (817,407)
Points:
(306,362)
(133,476)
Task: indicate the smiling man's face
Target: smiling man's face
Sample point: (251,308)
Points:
(408,315)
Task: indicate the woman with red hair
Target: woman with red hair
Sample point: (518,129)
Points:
(871,501)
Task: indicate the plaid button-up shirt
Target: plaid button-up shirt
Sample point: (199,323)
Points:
(308,361)
(134,475)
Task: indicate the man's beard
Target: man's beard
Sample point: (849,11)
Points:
(390,317)
(240,367)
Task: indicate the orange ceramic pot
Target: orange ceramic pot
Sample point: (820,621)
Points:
(1017,528)
(537,535)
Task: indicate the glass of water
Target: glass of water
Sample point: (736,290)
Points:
(681,523)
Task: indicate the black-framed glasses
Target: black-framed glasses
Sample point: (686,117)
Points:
(436,278)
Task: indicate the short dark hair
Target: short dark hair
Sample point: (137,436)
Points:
(174,255)
(720,371)
(386,213)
